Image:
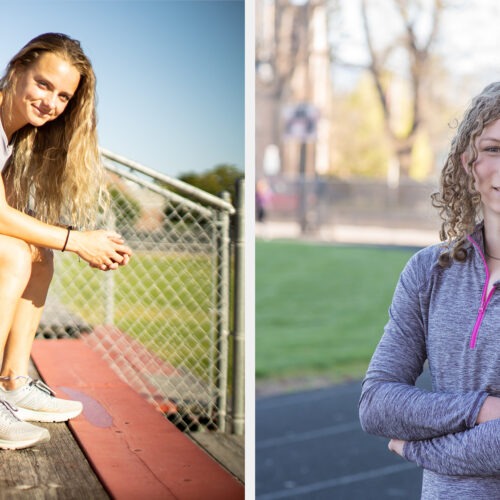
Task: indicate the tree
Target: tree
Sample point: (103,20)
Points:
(399,37)
(359,146)
(416,50)
(126,209)
(215,181)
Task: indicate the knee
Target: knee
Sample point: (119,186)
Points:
(15,259)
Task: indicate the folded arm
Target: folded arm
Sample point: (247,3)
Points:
(474,452)
(390,404)
(397,410)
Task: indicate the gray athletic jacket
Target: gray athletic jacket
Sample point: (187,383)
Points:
(445,316)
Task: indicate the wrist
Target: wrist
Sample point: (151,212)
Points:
(68,232)
(71,241)
(489,411)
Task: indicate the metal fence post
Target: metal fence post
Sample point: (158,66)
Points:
(110,281)
(238,396)
(223,314)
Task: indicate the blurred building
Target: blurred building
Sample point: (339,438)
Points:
(293,87)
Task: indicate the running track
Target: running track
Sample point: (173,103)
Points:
(309,445)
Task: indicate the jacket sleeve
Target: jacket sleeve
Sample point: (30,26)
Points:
(474,452)
(390,404)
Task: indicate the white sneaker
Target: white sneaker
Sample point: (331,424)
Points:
(16,434)
(35,402)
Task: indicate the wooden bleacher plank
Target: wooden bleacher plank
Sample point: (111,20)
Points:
(57,469)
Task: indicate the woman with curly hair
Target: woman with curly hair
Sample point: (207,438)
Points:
(445,310)
(52,182)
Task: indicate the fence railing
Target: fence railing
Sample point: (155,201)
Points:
(163,322)
(322,201)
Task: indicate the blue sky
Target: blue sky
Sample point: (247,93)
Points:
(170,73)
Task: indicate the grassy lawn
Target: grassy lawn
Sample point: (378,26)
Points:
(321,309)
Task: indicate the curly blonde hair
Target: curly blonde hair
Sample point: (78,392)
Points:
(55,170)
(458,201)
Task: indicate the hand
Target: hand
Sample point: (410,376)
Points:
(124,262)
(489,411)
(396,446)
(104,250)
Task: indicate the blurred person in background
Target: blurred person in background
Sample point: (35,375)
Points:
(445,310)
(52,180)
(262,199)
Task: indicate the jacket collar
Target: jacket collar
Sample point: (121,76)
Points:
(477,236)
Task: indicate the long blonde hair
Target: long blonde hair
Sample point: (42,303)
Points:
(55,170)
(458,201)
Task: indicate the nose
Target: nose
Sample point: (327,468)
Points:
(49,102)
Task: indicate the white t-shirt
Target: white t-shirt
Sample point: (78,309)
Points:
(5,148)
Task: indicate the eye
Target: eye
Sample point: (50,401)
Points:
(492,149)
(64,98)
(42,84)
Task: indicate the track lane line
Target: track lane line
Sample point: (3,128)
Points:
(305,436)
(338,481)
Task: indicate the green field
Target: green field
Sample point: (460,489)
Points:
(321,309)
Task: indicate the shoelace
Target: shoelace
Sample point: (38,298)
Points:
(42,386)
(10,408)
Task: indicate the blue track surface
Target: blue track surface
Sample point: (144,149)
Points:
(310,445)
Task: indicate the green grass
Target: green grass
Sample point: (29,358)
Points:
(320,310)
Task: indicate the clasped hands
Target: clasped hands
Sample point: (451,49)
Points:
(104,250)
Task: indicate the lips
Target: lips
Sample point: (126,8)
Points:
(41,112)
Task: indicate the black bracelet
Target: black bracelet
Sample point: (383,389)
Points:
(67,238)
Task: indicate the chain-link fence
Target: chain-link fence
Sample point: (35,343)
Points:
(163,322)
(320,202)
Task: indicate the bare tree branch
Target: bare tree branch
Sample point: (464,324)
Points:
(374,67)
(417,55)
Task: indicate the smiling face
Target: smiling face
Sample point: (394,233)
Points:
(43,90)
(486,168)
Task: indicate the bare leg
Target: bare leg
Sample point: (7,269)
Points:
(33,400)
(15,271)
(25,276)
(26,318)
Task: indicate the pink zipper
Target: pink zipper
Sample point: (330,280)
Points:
(484,299)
